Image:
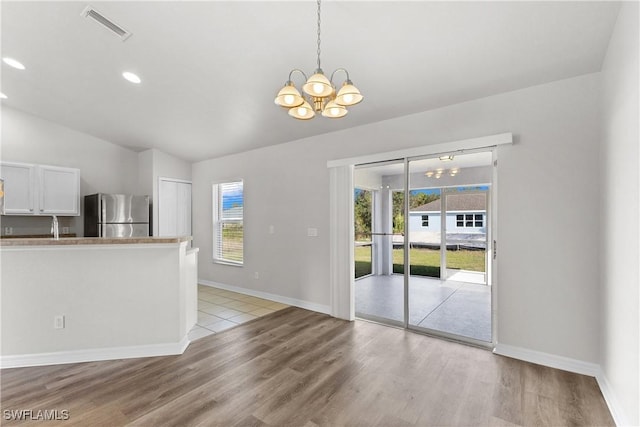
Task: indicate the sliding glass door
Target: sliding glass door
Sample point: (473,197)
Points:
(447,240)
(421,244)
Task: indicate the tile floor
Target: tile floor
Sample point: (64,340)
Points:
(219,310)
(449,306)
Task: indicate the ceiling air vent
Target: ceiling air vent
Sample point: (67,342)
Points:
(90,12)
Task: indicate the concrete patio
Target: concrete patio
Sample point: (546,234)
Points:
(450,306)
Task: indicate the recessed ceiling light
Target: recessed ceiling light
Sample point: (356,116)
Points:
(133,78)
(13,63)
(3,96)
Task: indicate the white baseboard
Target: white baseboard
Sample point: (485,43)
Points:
(93,354)
(547,359)
(611,398)
(570,365)
(320,308)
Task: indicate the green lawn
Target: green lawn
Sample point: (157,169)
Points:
(232,242)
(424,262)
(363,261)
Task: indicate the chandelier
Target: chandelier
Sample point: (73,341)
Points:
(441,171)
(319,93)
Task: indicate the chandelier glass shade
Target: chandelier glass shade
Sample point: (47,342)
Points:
(348,94)
(318,86)
(289,96)
(318,94)
(333,110)
(441,171)
(302,112)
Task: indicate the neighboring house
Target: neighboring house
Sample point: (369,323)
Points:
(466,220)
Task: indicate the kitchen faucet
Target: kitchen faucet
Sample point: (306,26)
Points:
(54,228)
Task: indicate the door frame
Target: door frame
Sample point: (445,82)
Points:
(341,228)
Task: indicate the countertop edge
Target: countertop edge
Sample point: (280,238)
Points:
(76,241)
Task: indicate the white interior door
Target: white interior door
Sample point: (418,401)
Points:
(183,213)
(174,207)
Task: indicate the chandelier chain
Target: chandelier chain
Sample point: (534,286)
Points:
(319,35)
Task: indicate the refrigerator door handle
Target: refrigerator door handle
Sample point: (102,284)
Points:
(102,208)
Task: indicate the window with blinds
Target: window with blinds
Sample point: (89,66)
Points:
(228,222)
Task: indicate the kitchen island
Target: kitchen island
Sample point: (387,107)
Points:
(85,299)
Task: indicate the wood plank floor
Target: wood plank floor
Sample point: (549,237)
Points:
(299,368)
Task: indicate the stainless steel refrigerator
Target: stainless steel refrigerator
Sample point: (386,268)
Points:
(116,215)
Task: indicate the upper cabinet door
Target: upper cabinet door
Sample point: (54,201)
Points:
(19,188)
(59,191)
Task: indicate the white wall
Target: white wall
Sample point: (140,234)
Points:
(104,167)
(548,264)
(145,173)
(620,213)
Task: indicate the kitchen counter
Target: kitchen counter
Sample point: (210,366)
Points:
(84,299)
(91,241)
(33,236)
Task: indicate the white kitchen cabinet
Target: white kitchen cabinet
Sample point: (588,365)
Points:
(40,189)
(19,184)
(59,190)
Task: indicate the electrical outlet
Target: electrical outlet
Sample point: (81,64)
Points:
(272,229)
(312,232)
(8,231)
(256,275)
(58,322)
(65,230)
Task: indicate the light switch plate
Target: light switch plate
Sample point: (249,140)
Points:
(312,232)
(58,322)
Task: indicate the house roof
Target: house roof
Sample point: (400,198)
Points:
(456,202)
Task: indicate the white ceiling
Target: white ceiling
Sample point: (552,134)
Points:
(210,70)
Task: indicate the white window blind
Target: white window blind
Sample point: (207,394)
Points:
(228,222)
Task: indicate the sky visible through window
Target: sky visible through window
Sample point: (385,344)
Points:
(232,196)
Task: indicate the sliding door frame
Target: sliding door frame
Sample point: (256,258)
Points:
(341,220)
